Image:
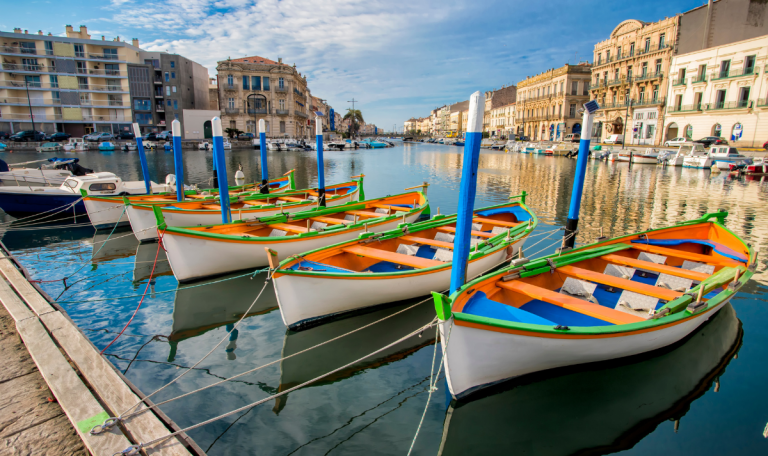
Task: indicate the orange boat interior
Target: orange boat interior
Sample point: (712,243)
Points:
(617,288)
(418,250)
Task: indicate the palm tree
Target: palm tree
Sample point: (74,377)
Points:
(357,119)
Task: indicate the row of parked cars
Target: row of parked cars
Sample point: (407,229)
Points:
(39,136)
(706,141)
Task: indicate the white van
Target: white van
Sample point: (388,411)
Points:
(573,137)
(615,139)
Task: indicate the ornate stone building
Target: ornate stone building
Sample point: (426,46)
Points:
(630,77)
(255,88)
(547,103)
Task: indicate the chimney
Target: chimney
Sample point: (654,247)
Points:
(280,60)
(26,32)
(16,30)
(118,38)
(135,42)
(69,30)
(39,32)
(50,34)
(102,38)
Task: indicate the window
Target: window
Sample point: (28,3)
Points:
(282,105)
(658,67)
(618,52)
(230,80)
(173,64)
(585,89)
(743,97)
(632,49)
(141,105)
(155,63)
(167,91)
(102,187)
(266,83)
(644,69)
(649,131)
(574,87)
(655,93)
(174,89)
(629,73)
(56,97)
(49,48)
(256,82)
(79,50)
(681,76)
(169,103)
(616,74)
(642,94)
(110,53)
(281,83)
(167,78)
(572,110)
(245,83)
(176,116)
(608,55)
(144,119)
(725,67)
(599,59)
(697,100)
(678,102)
(82,83)
(749,64)
(175,104)
(30,64)
(662,42)
(231,103)
(173,75)
(647,45)
(720,99)
(282,125)
(54,81)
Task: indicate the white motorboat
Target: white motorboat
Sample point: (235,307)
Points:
(76,145)
(274,146)
(205,145)
(227,144)
(52,171)
(648,157)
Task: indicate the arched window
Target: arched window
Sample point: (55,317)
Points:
(672,131)
(717,130)
(689,131)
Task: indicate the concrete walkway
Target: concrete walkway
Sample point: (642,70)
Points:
(30,424)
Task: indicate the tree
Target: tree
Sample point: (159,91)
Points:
(232,132)
(355,117)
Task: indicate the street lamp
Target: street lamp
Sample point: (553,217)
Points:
(626,124)
(29,103)
(248,103)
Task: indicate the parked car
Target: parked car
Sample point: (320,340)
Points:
(615,139)
(99,136)
(27,135)
(59,136)
(573,137)
(126,135)
(765,145)
(149,137)
(523,138)
(674,142)
(245,136)
(4,135)
(165,136)
(711,141)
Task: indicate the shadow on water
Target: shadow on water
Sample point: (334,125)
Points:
(597,409)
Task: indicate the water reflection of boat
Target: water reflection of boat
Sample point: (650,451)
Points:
(304,367)
(199,309)
(108,245)
(598,410)
(145,260)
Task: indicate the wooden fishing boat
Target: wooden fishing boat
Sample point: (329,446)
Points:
(405,263)
(197,252)
(617,298)
(249,207)
(648,157)
(610,406)
(106,211)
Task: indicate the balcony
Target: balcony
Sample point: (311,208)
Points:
(649,101)
(679,82)
(95,72)
(685,108)
(655,48)
(23,101)
(257,110)
(597,85)
(735,73)
(29,68)
(115,103)
(648,76)
(102,56)
(93,118)
(231,110)
(24,51)
(159,108)
(300,114)
(282,112)
(762,102)
(618,81)
(744,104)
(281,89)
(158,81)
(625,55)
(37,117)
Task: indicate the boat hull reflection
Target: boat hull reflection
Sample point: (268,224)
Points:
(600,409)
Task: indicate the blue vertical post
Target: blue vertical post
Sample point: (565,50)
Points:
(467,190)
(263,149)
(178,163)
(320,165)
(221,168)
(572,223)
(142,158)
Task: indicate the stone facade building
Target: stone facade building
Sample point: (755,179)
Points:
(547,103)
(630,77)
(255,88)
(722,22)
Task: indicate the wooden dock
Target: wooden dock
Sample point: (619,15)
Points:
(84,386)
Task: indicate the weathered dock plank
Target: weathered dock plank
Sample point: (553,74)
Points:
(37,303)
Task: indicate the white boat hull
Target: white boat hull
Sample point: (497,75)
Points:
(506,355)
(104,213)
(641,159)
(697,162)
(194,257)
(303,298)
(143,221)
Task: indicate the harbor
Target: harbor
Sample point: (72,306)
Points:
(367,398)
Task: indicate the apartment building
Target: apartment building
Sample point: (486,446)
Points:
(721,91)
(630,77)
(255,88)
(411,125)
(547,103)
(72,84)
(494,117)
(502,121)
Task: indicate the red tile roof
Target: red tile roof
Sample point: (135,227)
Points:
(255,59)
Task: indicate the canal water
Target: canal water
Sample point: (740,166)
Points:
(705,396)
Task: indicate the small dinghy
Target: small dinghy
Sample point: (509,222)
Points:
(621,297)
(404,263)
(197,252)
(106,146)
(207,211)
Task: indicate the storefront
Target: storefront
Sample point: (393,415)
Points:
(644,126)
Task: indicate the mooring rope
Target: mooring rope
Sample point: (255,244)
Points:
(59,209)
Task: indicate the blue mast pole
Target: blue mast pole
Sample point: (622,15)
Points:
(467,190)
(320,167)
(142,158)
(178,163)
(263,149)
(221,168)
(572,224)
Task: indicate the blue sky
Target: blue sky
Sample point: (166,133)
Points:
(400,58)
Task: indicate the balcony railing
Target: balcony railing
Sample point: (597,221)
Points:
(115,103)
(649,101)
(685,108)
(702,78)
(257,110)
(159,108)
(300,114)
(619,81)
(648,76)
(23,50)
(98,72)
(653,49)
(762,102)
(231,110)
(32,101)
(734,73)
(94,118)
(158,81)
(36,117)
(29,67)
(679,82)
(282,112)
(281,89)
(103,56)
(728,105)
(597,85)
(230,87)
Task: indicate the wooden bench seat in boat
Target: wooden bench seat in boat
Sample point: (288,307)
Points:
(331,220)
(287,227)
(686,255)
(618,282)
(366,214)
(392,257)
(568,302)
(291,198)
(450,229)
(214,207)
(655,267)
(495,222)
(391,206)
(425,241)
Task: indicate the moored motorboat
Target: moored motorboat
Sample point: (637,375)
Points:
(51,171)
(207,211)
(758,167)
(227,144)
(608,300)
(50,147)
(76,145)
(648,157)
(404,263)
(106,146)
(197,252)
(204,145)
